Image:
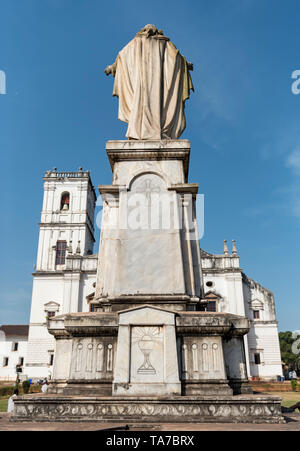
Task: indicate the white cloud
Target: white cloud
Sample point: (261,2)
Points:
(293,160)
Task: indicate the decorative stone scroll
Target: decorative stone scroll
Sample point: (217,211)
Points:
(229,409)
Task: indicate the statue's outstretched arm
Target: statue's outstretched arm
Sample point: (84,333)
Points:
(111,69)
(190,66)
(107,70)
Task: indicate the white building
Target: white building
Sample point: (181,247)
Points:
(231,291)
(65,277)
(13,350)
(66,267)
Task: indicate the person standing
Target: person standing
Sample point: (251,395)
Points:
(45,386)
(11,404)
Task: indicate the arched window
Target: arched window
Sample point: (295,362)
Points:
(65,201)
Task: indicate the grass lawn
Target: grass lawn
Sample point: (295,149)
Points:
(3,404)
(288,398)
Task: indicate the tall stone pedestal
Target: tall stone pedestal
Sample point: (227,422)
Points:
(149,253)
(147,353)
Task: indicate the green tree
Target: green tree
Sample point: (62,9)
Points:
(291,359)
(26,387)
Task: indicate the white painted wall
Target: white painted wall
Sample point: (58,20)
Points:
(263,336)
(241,295)
(9,372)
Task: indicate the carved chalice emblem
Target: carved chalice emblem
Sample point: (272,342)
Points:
(146,346)
(148,341)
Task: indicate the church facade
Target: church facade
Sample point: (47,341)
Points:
(65,276)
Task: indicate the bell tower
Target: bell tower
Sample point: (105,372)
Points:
(64,268)
(67,219)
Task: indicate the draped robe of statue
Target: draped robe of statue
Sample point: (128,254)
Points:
(152,82)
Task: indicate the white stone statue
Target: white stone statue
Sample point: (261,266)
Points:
(152,82)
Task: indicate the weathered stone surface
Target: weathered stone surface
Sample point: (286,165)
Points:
(211,323)
(89,362)
(147,222)
(202,366)
(205,369)
(167,157)
(221,409)
(146,362)
(208,387)
(84,324)
(235,358)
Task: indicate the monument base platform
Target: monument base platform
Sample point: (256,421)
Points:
(181,409)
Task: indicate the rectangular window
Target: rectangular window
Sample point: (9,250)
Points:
(15,347)
(257,358)
(211,306)
(61,248)
(256,314)
(50,314)
(51,361)
(21,361)
(5,361)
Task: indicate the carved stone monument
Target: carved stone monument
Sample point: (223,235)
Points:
(148,351)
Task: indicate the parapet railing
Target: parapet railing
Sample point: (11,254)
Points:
(67,174)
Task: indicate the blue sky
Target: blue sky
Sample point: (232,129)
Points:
(242,121)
